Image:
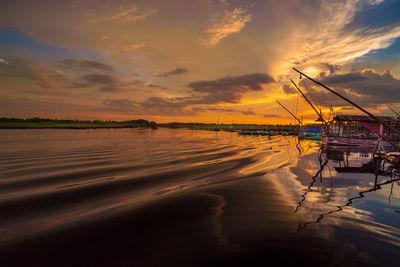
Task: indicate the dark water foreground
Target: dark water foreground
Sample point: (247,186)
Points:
(128,197)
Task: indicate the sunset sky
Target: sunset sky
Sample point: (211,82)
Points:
(196,60)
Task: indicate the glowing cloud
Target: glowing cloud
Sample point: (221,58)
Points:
(125,16)
(177,71)
(231,22)
(334,40)
(367,87)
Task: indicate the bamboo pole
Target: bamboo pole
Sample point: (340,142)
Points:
(339,95)
(397,114)
(289,112)
(351,102)
(309,102)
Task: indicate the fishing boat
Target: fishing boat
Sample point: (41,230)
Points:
(262,133)
(359,130)
(311,134)
(353,130)
(306,134)
(344,129)
(393,158)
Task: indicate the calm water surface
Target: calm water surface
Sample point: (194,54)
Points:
(139,197)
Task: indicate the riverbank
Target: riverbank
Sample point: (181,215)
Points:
(230,127)
(40,123)
(43,123)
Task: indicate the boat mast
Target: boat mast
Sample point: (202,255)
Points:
(309,102)
(397,114)
(339,95)
(354,104)
(330,112)
(289,112)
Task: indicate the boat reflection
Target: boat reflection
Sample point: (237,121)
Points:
(323,160)
(353,167)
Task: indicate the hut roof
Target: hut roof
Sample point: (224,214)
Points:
(364,118)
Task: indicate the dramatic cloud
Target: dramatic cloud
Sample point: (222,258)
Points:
(99,79)
(161,106)
(248,112)
(272,116)
(164,107)
(125,16)
(108,83)
(331,68)
(113,84)
(122,105)
(89,53)
(289,89)
(43,76)
(230,22)
(132,47)
(228,110)
(229,89)
(152,106)
(177,71)
(84,65)
(344,78)
(367,87)
(224,90)
(48,77)
(331,38)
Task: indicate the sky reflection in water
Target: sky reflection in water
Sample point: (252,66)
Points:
(222,197)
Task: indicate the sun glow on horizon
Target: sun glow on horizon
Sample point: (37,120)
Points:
(218,58)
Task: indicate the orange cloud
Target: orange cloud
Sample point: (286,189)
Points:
(231,22)
(125,16)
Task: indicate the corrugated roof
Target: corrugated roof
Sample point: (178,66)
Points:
(362,118)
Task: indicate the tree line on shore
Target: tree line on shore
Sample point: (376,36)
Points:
(37,122)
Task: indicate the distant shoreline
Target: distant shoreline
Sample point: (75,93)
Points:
(77,127)
(228,127)
(42,123)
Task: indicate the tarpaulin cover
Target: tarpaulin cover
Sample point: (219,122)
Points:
(372,126)
(316,131)
(316,137)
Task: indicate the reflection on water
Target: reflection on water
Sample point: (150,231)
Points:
(167,197)
(340,156)
(323,161)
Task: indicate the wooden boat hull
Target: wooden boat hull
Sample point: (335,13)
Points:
(393,158)
(312,137)
(352,141)
(351,149)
